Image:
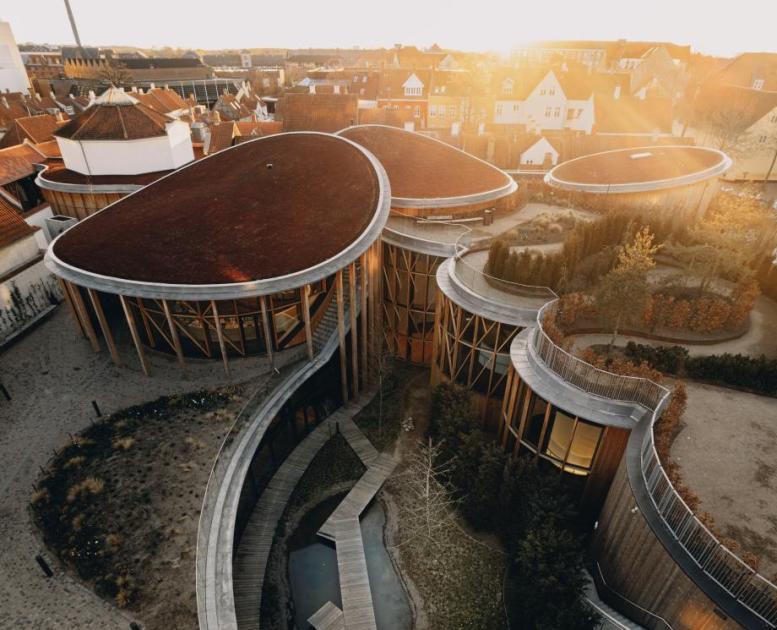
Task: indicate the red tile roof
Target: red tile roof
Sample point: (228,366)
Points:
(115,122)
(33,128)
(17,162)
(12,226)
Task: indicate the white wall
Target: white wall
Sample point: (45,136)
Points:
(535,154)
(18,253)
(129,157)
(42,236)
(13,76)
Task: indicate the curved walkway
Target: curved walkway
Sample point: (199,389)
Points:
(256,542)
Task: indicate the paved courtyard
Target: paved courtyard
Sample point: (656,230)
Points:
(53,375)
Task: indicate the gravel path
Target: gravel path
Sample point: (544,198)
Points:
(53,375)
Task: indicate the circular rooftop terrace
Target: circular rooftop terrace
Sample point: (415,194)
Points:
(425,172)
(639,170)
(263,216)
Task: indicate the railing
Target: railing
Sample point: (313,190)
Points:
(593,380)
(497,289)
(445,232)
(739,580)
(724,567)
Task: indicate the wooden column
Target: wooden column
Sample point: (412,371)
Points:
(436,332)
(268,341)
(134,332)
(220,335)
(71,306)
(306,318)
(341,334)
(86,322)
(146,323)
(174,335)
(354,330)
(106,330)
(363,319)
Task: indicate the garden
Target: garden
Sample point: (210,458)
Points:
(119,504)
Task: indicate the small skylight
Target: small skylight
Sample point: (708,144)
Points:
(640,156)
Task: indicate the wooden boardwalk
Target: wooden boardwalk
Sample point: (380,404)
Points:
(328,617)
(356,501)
(256,542)
(344,529)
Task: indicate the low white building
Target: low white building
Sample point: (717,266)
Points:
(118,135)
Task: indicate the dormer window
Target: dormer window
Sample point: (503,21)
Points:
(758,84)
(413,86)
(507,87)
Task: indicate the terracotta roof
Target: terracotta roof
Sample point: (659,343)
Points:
(228,218)
(33,128)
(12,226)
(749,106)
(17,162)
(126,120)
(422,168)
(747,67)
(628,115)
(221,136)
(162,100)
(650,164)
(317,112)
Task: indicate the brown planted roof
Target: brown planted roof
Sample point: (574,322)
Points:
(422,168)
(618,167)
(122,118)
(228,218)
(12,226)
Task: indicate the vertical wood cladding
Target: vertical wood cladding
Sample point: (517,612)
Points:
(637,566)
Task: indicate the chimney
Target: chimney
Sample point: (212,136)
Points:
(254,117)
(91,96)
(5,102)
(151,86)
(617,92)
(215,117)
(59,117)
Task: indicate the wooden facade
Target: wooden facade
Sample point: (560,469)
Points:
(409,293)
(585,452)
(79,205)
(646,581)
(472,351)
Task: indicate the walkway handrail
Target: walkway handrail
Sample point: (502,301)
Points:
(724,567)
(416,227)
(591,379)
(484,283)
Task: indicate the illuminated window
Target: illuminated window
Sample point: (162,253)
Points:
(557,112)
(758,84)
(548,112)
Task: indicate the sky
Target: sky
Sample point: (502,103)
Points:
(709,26)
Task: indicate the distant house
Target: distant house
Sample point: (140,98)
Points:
(546,100)
(317,112)
(406,90)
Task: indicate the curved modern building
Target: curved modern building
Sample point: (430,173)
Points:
(114,147)
(655,560)
(675,179)
(441,197)
(240,253)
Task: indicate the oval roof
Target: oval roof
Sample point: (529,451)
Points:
(425,172)
(639,169)
(262,216)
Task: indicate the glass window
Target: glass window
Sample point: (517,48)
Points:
(560,436)
(586,438)
(534,420)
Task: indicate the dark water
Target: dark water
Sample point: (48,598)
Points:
(313,569)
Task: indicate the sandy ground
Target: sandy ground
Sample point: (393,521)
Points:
(52,375)
(727,451)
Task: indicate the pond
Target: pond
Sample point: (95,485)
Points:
(313,569)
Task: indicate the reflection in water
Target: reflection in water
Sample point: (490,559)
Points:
(313,569)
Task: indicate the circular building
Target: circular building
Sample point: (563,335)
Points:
(114,147)
(241,253)
(680,180)
(440,196)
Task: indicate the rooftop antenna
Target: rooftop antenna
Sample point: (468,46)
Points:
(73,26)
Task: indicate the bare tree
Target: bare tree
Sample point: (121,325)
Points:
(116,74)
(431,502)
